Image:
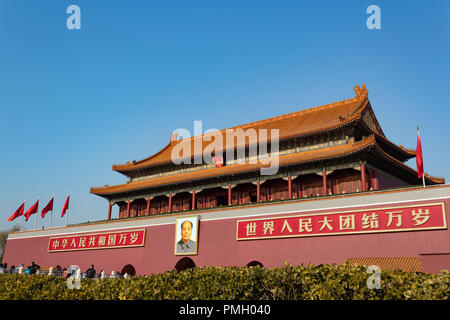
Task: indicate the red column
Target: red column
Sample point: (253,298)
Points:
(109,211)
(229,194)
(193,200)
(148,205)
(363,177)
(170,203)
(258,191)
(128,209)
(375,181)
(324,182)
(290,187)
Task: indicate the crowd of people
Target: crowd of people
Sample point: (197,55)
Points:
(90,273)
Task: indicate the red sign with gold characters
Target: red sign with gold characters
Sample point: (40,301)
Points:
(106,240)
(394,219)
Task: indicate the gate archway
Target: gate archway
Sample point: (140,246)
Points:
(254,263)
(128,269)
(185,263)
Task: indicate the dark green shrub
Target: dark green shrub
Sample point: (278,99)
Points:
(328,282)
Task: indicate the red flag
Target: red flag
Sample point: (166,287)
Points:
(419,158)
(47,208)
(66,206)
(18,212)
(32,210)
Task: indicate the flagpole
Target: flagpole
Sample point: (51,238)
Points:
(423,173)
(51,213)
(67,213)
(35,218)
(21,220)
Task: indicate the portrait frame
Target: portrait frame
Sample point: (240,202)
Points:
(194,235)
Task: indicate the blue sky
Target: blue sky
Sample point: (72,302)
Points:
(75,102)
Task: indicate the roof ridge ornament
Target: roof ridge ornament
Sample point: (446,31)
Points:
(360,92)
(173,137)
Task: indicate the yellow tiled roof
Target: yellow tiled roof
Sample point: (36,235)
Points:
(409,264)
(294,124)
(312,155)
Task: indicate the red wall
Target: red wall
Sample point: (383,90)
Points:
(387,181)
(435,263)
(218,246)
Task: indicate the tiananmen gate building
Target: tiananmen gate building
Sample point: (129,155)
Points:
(341,192)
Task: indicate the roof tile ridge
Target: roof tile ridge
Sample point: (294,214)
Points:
(403,148)
(434,178)
(361,94)
(283,116)
(299,112)
(368,140)
(407,150)
(359,144)
(357,112)
(404,164)
(134,162)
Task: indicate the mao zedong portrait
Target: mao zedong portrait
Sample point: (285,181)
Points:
(186,245)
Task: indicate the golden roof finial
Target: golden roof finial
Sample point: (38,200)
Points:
(361,91)
(173,137)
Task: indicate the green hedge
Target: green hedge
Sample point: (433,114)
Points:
(288,283)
